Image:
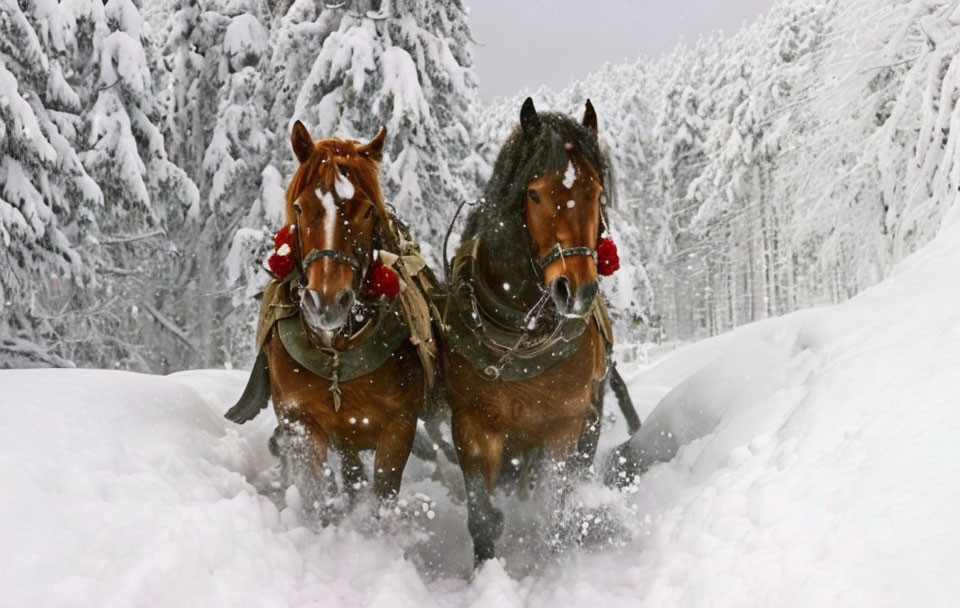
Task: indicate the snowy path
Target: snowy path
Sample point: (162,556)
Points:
(808,461)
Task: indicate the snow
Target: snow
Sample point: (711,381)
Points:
(801,461)
(272,195)
(810,457)
(244,38)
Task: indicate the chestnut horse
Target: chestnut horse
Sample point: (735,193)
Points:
(336,207)
(524,346)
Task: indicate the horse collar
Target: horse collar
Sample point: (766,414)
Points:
(344,365)
(490,305)
(493,336)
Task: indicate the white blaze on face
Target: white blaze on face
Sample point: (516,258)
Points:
(569,176)
(329,217)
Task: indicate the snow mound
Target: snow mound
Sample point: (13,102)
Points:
(808,460)
(801,461)
(129,490)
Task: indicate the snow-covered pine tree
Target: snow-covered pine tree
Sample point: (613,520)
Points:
(48,203)
(233,163)
(405,64)
(113,61)
(235,70)
(621,96)
(678,140)
(296,39)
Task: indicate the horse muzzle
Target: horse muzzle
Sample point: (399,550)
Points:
(326,315)
(570,300)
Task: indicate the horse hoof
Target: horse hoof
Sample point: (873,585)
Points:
(482,553)
(622,468)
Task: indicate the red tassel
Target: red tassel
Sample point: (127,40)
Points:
(284,236)
(280,265)
(608,262)
(383,281)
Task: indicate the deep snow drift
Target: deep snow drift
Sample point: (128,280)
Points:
(808,461)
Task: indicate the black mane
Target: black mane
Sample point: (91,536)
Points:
(507,250)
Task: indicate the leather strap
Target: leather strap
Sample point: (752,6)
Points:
(316,254)
(557,252)
(484,341)
(360,360)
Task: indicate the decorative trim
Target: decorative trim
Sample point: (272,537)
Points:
(557,252)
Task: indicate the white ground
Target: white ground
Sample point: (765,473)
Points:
(809,461)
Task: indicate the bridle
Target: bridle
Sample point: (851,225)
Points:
(333,254)
(355,262)
(559,252)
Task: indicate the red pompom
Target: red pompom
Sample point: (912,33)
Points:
(383,281)
(284,236)
(280,265)
(608,262)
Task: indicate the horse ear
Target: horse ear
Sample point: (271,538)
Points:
(301,142)
(590,118)
(529,119)
(374,149)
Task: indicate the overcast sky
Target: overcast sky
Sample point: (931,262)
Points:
(527,43)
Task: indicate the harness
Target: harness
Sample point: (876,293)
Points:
(496,338)
(389,325)
(339,366)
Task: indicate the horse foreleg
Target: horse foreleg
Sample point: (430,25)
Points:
(480,451)
(393,449)
(563,466)
(354,475)
(590,437)
(303,451)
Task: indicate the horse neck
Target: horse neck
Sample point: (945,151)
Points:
(514,284)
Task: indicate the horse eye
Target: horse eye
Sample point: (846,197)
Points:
(368,213)
(297,208)
(533,195)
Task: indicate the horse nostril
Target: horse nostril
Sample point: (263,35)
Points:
(310,298)
(345,298)
(588,291)
(560,292)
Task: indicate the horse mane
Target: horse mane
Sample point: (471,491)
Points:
(500,218)
(323,167)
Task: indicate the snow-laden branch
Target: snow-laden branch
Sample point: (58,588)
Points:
(169,325)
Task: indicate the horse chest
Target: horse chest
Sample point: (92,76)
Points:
(530,406)
(368,403)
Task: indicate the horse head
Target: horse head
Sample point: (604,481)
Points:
(563,212)
(334,203)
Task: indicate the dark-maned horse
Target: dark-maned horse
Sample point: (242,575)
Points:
(526,339)
(335,204)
